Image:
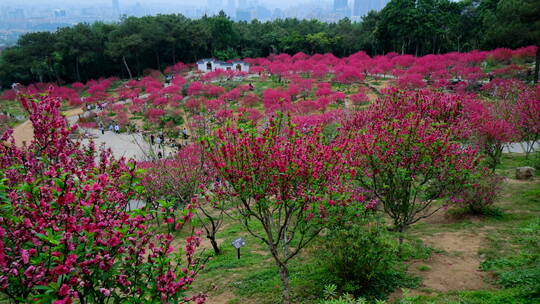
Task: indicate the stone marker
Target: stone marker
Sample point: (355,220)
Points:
(524,173)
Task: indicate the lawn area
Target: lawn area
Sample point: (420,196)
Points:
(450,257)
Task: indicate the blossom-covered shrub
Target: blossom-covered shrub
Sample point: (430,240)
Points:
(480,194)
(66,232)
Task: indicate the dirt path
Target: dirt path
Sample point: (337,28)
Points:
(457,268)
(24,132)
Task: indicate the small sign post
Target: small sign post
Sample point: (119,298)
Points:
(238,243)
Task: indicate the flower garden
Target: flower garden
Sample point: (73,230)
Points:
(343,175)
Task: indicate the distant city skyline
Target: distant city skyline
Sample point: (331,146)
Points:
(19,17)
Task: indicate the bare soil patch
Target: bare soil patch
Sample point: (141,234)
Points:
(443,217)
(223,298)
(24,132)
(456,268)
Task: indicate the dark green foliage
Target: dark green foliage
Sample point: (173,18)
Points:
(177,120)
(362,259)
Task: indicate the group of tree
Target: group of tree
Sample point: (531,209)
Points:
(67,233)
(129,47)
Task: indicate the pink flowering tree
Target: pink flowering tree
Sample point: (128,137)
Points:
(65,233)
(491,131)
(407,158)
(171,184)
(287,181)
(528,125)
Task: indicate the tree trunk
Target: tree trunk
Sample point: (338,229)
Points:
(215,246)
(536,65)
(77,69)
(127,67)
(284,275)
(400,229)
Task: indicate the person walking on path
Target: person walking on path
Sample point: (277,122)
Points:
(152,139)
(184,132)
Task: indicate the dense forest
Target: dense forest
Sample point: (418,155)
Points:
(133,45)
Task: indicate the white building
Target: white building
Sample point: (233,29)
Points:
(208,65)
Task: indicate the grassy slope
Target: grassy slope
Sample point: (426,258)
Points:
(254,279)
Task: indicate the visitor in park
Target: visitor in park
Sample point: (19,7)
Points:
(117,128)
(111,127)
(184,132)
(102,128)
(160,155)
(152,139)
(251,87)
(158,141)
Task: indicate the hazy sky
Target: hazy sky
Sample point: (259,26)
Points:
(87,2)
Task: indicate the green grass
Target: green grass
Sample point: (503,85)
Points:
(12,107)
(424,268)
(506,253)
(506,296)
(510,161)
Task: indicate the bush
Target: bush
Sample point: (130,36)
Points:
(347,299)
(177,120)
(478,196)
(65,234)
(362,259)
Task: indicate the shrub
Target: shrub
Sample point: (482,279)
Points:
(176,119)
(348,299)
(480,194)
(65,234)
(362,259)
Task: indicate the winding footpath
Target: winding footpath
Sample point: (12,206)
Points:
(122,145)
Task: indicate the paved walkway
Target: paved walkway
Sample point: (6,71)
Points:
(519,147)
(126,145)
(122,145)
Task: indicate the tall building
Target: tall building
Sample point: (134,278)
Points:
(362,7)
(231,4)
(243,15)
(214,4)
(340,5)
(242,3)
(358,8)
